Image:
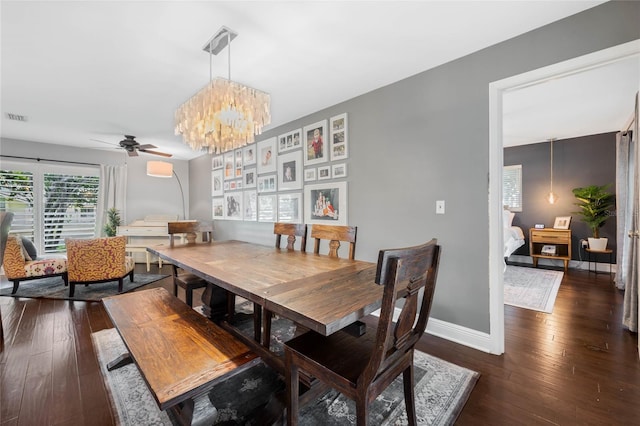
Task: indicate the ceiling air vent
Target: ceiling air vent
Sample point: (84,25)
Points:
(16,117)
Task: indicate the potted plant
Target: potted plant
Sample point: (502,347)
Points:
(594,202)
(113,221)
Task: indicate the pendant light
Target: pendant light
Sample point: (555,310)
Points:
(552,198)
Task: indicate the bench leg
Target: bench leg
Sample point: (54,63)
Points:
(121,361)
(198,412)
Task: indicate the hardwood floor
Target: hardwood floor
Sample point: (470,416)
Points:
(578,365)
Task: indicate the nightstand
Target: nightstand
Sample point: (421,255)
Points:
(560,238)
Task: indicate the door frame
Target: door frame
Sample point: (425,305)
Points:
(496,91)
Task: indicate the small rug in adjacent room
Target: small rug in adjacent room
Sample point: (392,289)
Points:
(441,391)
(54,288)
(531,288)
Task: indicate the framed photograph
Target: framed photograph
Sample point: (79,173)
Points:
(326,203)
(338,137)
(290,207)
(267,156)
(249,155)
(226,185)
(339,170)
(218,208)
(239,184)
(324,172)
(238,155)
(290,141)
(233,185)
(315,146)
(229,166)
(233,206)
(267,183)
(562,222)
(249,179)
(250,205)
(290,170)
(267,208)
(217,183)
(217,162)
(309,175)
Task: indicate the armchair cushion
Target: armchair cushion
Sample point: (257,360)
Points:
(15,265)
(29,249)
(98,259)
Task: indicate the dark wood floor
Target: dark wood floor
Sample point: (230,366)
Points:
(575,366)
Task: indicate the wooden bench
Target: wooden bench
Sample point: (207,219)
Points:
(180,354)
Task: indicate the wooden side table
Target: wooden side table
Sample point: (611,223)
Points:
(595,259)
(561,238)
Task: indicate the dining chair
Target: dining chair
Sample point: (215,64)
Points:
(262,318)
(362,367)
(189,229)
(335,234)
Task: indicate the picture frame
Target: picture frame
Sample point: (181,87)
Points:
(267,208)
(267,183)
(290,170)
(315,144)
(233,185)
(217,208)
(309,175)
(217,162)
(290,141)
(290,207)
(338,137)
(229,165)
(339,170)
(250,206)
(249,180)
(267,156)
(324,172)
(326,203)
(239,184)
(238,162)
(233,206)
(226,185)
(217,183)
(562,222)
(249,155)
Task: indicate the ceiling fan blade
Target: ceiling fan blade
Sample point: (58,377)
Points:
(106,143)
(132,153)
(156,152)
(147,146)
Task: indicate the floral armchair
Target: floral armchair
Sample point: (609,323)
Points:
(19,266)
(98,260)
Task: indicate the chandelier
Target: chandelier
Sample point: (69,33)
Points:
(223,115)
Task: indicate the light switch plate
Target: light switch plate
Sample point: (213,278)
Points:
(440,207)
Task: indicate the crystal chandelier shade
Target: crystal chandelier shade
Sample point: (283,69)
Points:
(223,115)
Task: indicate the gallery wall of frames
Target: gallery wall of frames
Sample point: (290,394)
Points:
(296,177)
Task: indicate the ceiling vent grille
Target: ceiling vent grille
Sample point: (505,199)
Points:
(16,117)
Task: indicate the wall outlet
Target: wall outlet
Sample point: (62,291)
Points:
(584,244)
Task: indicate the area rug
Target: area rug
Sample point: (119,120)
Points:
(531,288)
(54,288)
(441,391)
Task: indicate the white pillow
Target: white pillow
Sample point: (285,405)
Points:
(507,218)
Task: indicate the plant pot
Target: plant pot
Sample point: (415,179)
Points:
(599,244)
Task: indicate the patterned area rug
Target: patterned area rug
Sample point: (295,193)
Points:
(54,288)
(442,390)
(531,288)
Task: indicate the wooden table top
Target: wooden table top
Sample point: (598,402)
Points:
(321,293)
(196,353)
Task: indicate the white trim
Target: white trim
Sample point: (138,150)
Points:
(496,90)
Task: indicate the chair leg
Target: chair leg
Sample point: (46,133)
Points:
(231,306)
(409,397)
(266,324)
(293,384)
(72,288)
(16,283)
(362,410)
(257,322)
(189,296)
(65,278)
(120,284)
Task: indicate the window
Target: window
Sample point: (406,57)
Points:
(512,187)
(50,203)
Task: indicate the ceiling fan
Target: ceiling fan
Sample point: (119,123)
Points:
(132,147)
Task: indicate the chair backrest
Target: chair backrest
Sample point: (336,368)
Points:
(335,234)
(5,225)
(291,230)
(96,258)
(404,273)
(191,229)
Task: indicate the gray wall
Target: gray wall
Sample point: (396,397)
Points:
(577,162)
(145,195)
(426,138)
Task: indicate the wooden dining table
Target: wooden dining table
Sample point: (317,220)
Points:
(321,293)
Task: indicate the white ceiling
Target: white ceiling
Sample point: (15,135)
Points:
(86,73)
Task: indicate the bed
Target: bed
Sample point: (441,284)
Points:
(513,235)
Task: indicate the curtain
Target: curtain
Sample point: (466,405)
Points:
(112,193)
(625,166)
(630,308)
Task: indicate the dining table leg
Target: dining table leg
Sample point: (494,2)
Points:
(214,302)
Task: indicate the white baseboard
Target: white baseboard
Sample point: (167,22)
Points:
(576,264)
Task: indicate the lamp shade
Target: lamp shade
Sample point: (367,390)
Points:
(159,169)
